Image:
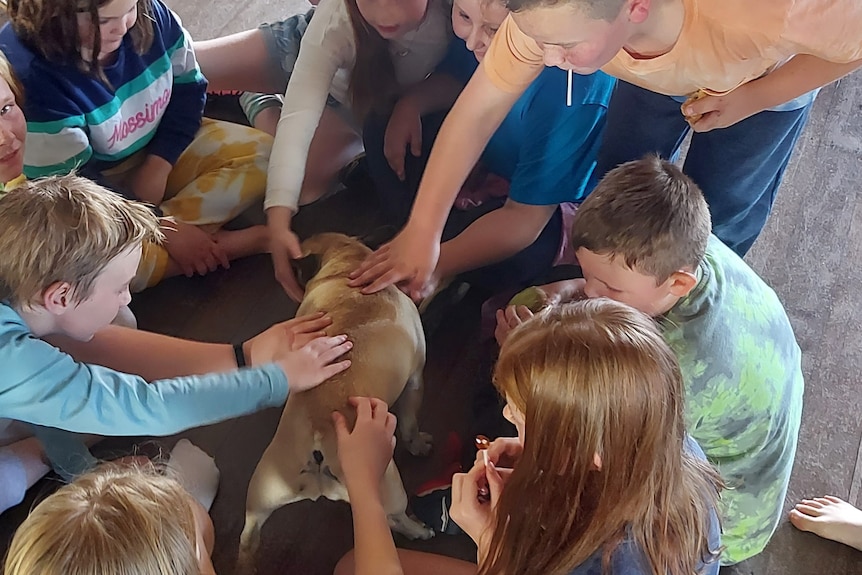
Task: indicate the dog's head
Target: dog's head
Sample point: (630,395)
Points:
(342,253)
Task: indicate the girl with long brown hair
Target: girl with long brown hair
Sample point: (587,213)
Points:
(602,478)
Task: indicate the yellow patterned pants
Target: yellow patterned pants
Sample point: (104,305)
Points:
(220,175)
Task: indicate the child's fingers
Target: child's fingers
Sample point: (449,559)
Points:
(334,369)
(340,425)
(495,481)
(332,348)
(363,409)
(391,423)
(369,261)
(523,313)
(416,138)
(378,407)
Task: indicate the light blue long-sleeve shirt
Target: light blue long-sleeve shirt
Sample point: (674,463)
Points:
(41,385)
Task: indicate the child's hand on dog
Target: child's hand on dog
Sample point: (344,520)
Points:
(291,335)
(407,262)
(313,363)
(365,452)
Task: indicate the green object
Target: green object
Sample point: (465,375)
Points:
(532,297)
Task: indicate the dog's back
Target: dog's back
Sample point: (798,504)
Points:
(385,329)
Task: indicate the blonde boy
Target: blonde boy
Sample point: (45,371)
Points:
(70,249)
(643,238)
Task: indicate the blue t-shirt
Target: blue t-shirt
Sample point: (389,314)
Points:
(629,559)
(546,149)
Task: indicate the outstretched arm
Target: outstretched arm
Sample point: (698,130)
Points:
(799,76)
(411,257)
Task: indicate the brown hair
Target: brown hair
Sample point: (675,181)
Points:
(115,520)
(50,28)
(373,85)
(596,377)
(606,10)
(8,74)
(649,213)
(65,228)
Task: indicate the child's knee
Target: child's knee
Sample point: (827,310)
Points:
(13,480)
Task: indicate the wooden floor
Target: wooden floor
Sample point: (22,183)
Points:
(810,254)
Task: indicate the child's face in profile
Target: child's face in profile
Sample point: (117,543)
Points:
(115,19)
(13,130)
(610,277)
(109,293)
(572,40)
(476,22)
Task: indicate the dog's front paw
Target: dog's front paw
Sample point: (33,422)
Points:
(410,527)
(421,444)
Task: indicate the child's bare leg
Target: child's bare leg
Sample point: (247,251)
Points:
(830,518)
(335,144)
(415,563)
(22,464)
(243,243)
(267,119)
(237,62)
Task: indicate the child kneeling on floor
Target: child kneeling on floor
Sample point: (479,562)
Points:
(70,249)
(113,90)
(643,238)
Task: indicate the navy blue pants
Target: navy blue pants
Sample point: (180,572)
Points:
(739,168)
(396,200)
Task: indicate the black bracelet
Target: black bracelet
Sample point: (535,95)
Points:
(240,355)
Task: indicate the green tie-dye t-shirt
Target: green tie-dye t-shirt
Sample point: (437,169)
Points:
(743,378)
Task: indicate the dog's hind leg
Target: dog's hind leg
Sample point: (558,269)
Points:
(270,488)
(395,505)
(407,410)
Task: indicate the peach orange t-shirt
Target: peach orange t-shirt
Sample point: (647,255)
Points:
(723,44)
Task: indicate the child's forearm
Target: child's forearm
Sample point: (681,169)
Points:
(482,243)
(152,356)
(799,76)
(476,115)
(375,552)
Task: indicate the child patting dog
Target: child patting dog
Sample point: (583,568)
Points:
(71,249)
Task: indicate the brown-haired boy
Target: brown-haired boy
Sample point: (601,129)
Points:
(70,249)
(643,238)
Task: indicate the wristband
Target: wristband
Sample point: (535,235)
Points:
(240,355)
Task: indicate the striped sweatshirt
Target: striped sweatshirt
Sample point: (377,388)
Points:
(152,101)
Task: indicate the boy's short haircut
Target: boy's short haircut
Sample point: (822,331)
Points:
(649,213)
(8,74)
(606,10)
(65,229)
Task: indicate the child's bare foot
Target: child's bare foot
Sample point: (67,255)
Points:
(243,243)
(830,518)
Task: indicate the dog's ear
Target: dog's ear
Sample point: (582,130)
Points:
(378,236)
(305,268)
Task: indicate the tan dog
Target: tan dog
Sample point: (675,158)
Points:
(388,354)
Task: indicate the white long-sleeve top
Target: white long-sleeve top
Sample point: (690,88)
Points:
(326,57)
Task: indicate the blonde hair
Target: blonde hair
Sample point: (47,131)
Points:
(649,213)
(115,520)
(8,74)
(65,229)
(596,377)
